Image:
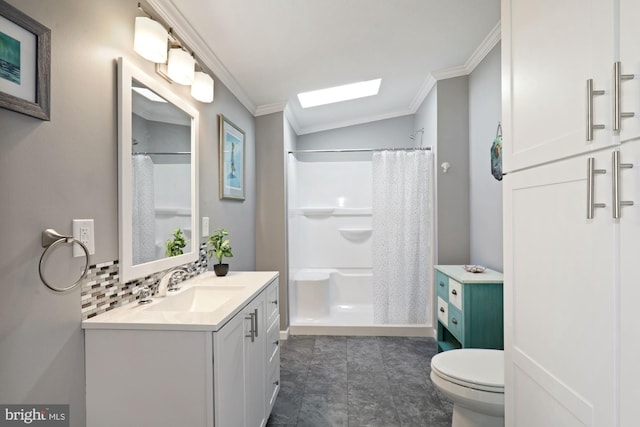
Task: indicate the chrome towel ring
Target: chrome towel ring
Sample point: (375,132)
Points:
(50,239)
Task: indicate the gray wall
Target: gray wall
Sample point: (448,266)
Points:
(445,116)
(453,187)
(485,191)
(53,172)
(387,133)
(271,218)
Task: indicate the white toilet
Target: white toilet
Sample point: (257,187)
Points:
(473,379)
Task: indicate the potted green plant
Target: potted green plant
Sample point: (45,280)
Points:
(176,244)
(220,247)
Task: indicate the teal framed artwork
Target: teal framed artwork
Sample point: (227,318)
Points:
(25,63)
(232,164)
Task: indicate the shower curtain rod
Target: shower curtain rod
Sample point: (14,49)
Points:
(164,154)
(358,150)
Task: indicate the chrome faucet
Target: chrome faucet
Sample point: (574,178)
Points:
(167,283)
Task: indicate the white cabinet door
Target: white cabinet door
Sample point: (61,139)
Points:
(229,373)
(549,50)
(630,60)
(630,287)
(254,362)
(559,297)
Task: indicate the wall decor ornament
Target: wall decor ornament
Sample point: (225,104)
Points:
(25,63)
(231,156)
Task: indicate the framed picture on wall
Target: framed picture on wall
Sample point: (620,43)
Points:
(231,155)
(25,63)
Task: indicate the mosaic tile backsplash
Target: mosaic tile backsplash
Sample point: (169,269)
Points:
(102,290)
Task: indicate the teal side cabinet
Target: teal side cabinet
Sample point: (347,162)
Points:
(469,307)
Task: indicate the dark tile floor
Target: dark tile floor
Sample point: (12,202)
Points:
(358,381)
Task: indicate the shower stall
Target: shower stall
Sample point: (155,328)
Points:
(331,246)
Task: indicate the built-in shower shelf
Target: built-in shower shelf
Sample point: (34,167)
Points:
(337,211)
(168,211)
(355,234)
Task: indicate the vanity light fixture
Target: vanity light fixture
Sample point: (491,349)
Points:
(150,40)
(176,64)
(202,88)
(181,66)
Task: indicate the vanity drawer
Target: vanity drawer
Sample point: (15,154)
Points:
(442,285)
(273,383)
(443,311)
(272,301)
(456,320)
(455,293)
(273,342)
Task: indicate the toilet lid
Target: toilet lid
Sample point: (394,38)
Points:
(476,368)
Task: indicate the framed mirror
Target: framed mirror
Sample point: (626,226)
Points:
(157,175)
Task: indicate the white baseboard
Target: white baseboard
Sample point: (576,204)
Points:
(284,335)
(384,331)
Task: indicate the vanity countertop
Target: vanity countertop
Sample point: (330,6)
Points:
(457,272)
(240,287)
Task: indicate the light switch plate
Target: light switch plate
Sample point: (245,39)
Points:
(83,231)
(205,226)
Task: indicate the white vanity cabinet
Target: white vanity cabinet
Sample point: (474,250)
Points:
(571,212)
(243,395)
(185,373)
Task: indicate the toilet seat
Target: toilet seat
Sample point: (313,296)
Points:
(478,369)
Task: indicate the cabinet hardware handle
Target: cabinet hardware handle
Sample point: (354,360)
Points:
(276,382)
(255,316)
(590,94)
(442,284)
(617,203)
(441,309)
(252,330)
(454,321)
(591,171)
(454,292)
(275,301)
(617,98)
(276,342)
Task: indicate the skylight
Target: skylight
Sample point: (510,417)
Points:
(339,93)
(150,95)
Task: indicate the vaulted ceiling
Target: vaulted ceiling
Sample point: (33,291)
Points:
(267,51)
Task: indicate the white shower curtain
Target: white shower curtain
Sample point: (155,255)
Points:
(402,236)
(144,215)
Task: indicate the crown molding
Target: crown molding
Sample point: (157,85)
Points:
(489,42)
(426,87)
(174,18)
(449,73)
(276,107)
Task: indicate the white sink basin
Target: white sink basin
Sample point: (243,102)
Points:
(198,299)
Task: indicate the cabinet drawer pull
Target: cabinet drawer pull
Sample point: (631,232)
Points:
(255,316)
(618,115)
(276,382)
(275,301)
(442,284)
(454,321)
(441,309)
(590,94)
(454,292)
(252,330)
(617,203)
(276,342)
(591,171)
